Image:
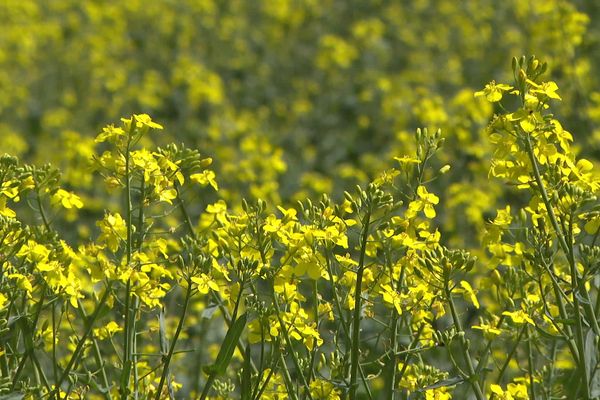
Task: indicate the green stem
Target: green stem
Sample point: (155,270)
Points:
(355,342)
(167,361)
(183,210)
(41,210)
(464,347)
(81,343)
(567,250)
(510,355)
(530,364)
(394,337)
(264,385)
(222,308)
(312,372)
(97,356)
(40,371)
(288,343)
(124,382)
(289,384)
(409,352)
(29,347)
(485,354)
(559,293)
(136,300)
(54,359)
(393,356)
(128,332)
(141,216)
(587,304)
(343,322)
(212,376)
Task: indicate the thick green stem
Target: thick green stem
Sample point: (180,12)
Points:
(355,353)
(530,364)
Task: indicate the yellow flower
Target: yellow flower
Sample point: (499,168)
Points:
(438,394)
(205,283)
(10,189)
(5,211)
(469,293)
(391,297)
(109,132)
(424,203)
(489,331)
(519,317)
(498,391)
(272,224)
(34,252)
(113,230)
(206,177)
(593,224)
(321,389)
(493,91)
(514,391)
(107,331)
(309,267)
(407,160)
(22,282)
(545,89)
(67,199)
(503,217)
(141,121)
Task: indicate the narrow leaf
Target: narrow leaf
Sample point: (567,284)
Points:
(443,383)
(246,387)
(229,343)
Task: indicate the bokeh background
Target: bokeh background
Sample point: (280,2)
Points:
(292,98)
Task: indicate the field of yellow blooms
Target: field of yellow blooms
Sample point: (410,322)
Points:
(299,199)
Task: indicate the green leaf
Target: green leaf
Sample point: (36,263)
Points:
(547,334)
(569,321)
(209,369)
(589,355)
(125,376)
(229,343)
(246,387)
